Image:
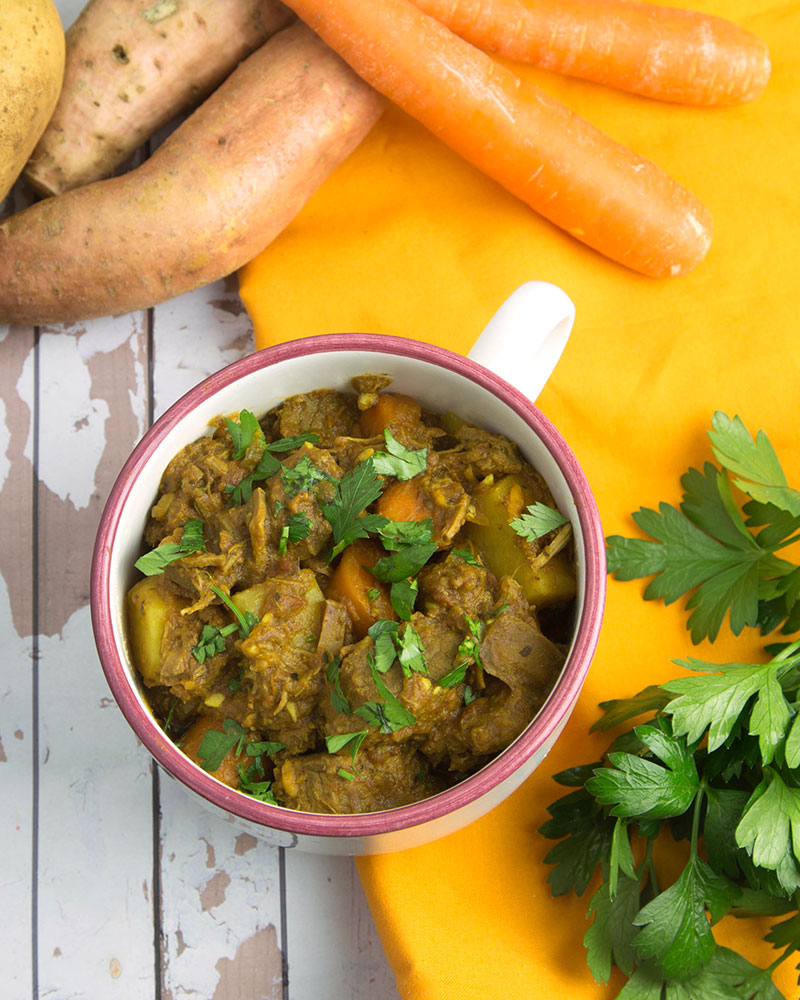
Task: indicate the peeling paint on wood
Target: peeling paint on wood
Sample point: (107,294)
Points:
(254,971)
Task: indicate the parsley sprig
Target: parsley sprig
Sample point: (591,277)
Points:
(217,744)
(723,556)
(156,561)
(711,756)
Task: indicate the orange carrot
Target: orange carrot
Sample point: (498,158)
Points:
(402,500)
(389,410)
(365,597)
(556,162)
(660,52)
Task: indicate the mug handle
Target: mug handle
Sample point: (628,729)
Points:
(524,339)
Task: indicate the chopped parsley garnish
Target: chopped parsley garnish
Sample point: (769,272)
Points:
(267,466)
(389,714)
(355,491)
(390,645)
(468,557)
(399,461)
(384,635)
(242,433)
(338,742)
(469,649)
(215,745)
(338,699)
(407,561)
(154,562)
(212,640)
(297,527)
(538,521)
(403,596)
(246,619)
(302,477)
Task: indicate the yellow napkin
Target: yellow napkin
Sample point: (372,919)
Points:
(405,238)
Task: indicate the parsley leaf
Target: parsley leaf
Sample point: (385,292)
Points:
(296,528)
(635,786)
(338,700)
(212,640)
(538,521)
(467,556)
(154,562)
(399,461)
(769,829)
(215,745)
(609,939)
(242,433)
(355,491)
(403,596)
(389,714)
(675,928)
(267,466)
(354,740)
(407,561)
(302,477)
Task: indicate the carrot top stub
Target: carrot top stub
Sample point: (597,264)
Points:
(594,188)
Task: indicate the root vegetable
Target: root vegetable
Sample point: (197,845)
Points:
(660,52)
(596,189)
(131,66)
(31,70)
(221,188)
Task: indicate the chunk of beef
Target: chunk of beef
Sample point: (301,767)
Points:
(383,777)
(324,412)
(522,666)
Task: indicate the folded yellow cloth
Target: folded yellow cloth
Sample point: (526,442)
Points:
(405,238)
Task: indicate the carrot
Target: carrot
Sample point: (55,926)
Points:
(131,65)
(389,410)
(402,500)
(365,597)
(597,190)
(221,187)
(660,52)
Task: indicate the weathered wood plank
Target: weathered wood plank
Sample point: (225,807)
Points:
(220,887)
(94,833)
(17,667)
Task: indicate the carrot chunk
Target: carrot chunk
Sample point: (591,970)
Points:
(365,597)
(389,410)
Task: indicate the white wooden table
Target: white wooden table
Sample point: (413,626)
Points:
(114,882)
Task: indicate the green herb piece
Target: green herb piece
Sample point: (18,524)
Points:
(338,700)
(212,640)
(469,695)
(635,786)
(467,557)
(538,521)
(261,790)
(355,491)
(403,597)
(399,461)
(469,649)
(216,745)
(407,561)
(302,478)
(373,594)
(410,652)
(723,557)
(354,740)
(242,433)
(267,467)
(384,635)
(297,527)
(290,443)
(246,619)
(395,535)
(256,748)
(154,562)
(388,714)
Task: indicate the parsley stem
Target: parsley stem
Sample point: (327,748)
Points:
(782,957)
(243,625)
(698,803)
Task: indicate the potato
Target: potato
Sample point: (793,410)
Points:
(131,66)
(214,195)
(31,72)
(503,551)
(149,607)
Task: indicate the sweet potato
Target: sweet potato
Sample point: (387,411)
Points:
(131,65)
(365,597)
(223,185)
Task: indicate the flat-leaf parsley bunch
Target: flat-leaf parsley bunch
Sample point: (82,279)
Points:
(714,758)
